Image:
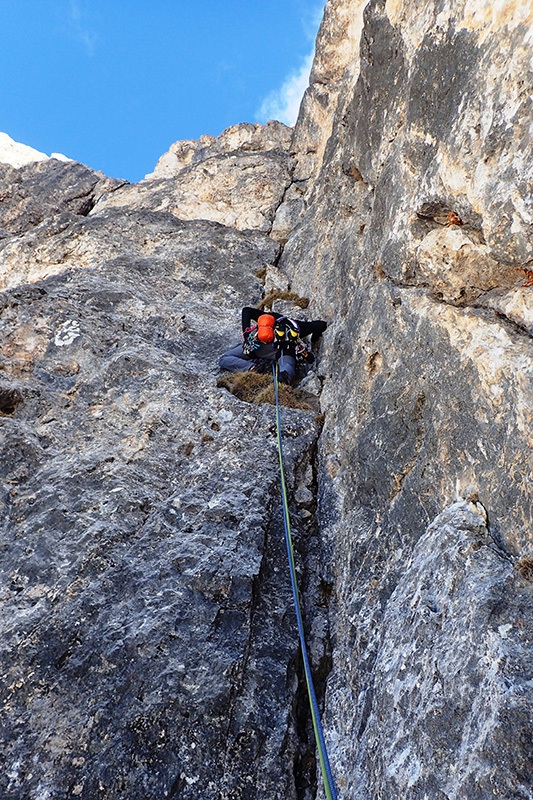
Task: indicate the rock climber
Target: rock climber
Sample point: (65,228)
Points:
(270,336)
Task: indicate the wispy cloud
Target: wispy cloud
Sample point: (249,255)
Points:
(283,104)
(312,20)
(77,19)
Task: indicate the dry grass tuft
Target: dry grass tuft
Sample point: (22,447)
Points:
(256,388)
(266,302)
(524,567)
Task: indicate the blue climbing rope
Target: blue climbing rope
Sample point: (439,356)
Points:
(327,777)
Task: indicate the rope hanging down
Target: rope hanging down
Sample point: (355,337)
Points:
(325,768)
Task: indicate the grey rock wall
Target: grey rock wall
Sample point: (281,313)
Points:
(238,178)
(453,673)
(35,193)
(148,640)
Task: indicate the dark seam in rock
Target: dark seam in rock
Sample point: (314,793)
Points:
(311,588)
(275,211)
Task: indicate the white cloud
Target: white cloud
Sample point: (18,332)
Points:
(313,19)
(283,104)
(80,28)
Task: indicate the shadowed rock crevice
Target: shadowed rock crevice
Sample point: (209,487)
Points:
(10,400)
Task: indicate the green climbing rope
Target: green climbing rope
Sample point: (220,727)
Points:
(325,768)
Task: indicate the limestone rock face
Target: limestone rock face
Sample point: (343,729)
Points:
(416,244)
(335,70)
(49,190)
(244,138)
(335,67)
(468,617)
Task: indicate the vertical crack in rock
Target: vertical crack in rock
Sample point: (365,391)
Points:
(238,688)
(268,711)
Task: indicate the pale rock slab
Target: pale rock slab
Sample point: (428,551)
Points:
(245,137)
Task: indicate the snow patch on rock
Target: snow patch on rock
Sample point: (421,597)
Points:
(18,155)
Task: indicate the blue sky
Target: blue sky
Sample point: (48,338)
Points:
(112,83)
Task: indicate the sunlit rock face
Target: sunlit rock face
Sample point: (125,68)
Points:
(148,637)
(417,245)
(242,138)
(335,69)
(237,179)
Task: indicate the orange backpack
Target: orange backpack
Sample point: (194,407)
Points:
(265,328)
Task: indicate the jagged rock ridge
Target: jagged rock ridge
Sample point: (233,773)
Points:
(237,179)
(148,643)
